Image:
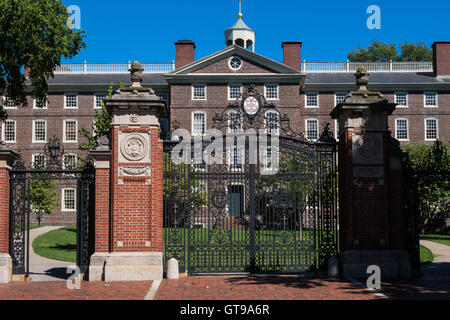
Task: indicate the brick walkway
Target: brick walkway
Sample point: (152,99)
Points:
(88,291)
(303,287)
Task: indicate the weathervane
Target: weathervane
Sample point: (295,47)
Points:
(240,15)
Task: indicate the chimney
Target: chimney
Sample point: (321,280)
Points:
(184,53)
(292,56)
(441,58)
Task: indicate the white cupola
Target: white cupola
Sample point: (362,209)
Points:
(239,34)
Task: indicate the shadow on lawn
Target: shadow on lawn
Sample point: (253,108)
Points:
(64,247)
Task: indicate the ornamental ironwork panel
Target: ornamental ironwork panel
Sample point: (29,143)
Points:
(55,174)
(246,214)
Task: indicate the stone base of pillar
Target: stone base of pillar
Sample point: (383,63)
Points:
(126,266)
(5,268)
(393,264)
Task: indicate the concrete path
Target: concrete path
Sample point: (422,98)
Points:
(439,270)
(43,269)
(442,251)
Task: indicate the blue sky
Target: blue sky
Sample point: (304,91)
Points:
(119,31)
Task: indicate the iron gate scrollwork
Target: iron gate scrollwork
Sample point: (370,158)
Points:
(58,173)
(253,216)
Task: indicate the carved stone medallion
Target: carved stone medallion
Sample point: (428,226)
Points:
(134,147)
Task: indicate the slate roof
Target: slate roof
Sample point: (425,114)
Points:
(105,78)
(376,77)
(240,24)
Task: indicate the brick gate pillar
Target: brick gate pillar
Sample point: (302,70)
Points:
(372,224)
(134,247)
(6,158)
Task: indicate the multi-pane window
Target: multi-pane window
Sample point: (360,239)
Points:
(68,199)
(430,99)
(339,97)
(431,129)
(272,119)
(235,122)
(312,100)
(234,91)
(401,129)
(198,92)
(38,160)
(70,160)
(39,131)
(70,131)
(9,131)
(312,129)
(8,103)
(336,129)
(40,104)
(236,154)
(71,100)
(98,100)
(401,99)
(271,91)
(198,123)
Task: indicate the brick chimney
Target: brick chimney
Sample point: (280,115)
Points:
(184,53)
(292,56)
(441,58)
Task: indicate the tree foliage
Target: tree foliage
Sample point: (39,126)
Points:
(33,33)
(43,196)
(378,51)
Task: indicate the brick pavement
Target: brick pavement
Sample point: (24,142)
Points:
(89,291)
(304,287)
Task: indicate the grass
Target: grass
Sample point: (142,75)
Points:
(439,238)
(58,244)
(35,226)
(426,256)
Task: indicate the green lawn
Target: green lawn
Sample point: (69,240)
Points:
(439,238)
(425,255)
(59,244)
(34,226)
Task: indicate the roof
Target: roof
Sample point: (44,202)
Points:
(150,79)
(240,24)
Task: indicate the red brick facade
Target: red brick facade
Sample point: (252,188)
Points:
(4,210)
(292,55)
(441,57)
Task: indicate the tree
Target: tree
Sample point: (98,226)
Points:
(33,34)
(102,120)
(43,196)
(378,51)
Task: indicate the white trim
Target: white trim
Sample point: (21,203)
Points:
(306,128)
(4,98)
(335,94)
(192,121)
(63,200)
(34,131)
(229,63)
(65,156)
(424,99)
(95,99)
(336,131)
(407,129)
(265,121)
(306,100)
(35,105)
(425,128)
(15,131)
(407,98)
(229,120)
(64,131)
(37,154)
(278,90)
(229,92)
(65,100)
(192,91)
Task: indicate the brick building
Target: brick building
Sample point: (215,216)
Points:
(196,89)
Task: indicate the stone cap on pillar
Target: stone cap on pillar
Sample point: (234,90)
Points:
(362,100)
(136,97)
(7,156)
(102,154)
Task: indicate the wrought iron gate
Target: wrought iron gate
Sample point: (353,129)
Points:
(252,216)
(59,174)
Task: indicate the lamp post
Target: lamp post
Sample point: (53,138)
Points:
(54,148)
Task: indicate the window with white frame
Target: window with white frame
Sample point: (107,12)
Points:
(40,104)
(70,131)
(69,160)
(39,131)
(339,97)
(235,157)
(71,100)
(9,131)
(272,122)
(336,129)
(271,91)
(431,99)
(312,129)
(198,92)
(401,129)
(401,99)
(431,129)
(68,199)
(198,123)
(270,156)
(234,122)
(8,103)
(234,91)
(312,100)
(98,97)
(38,160)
